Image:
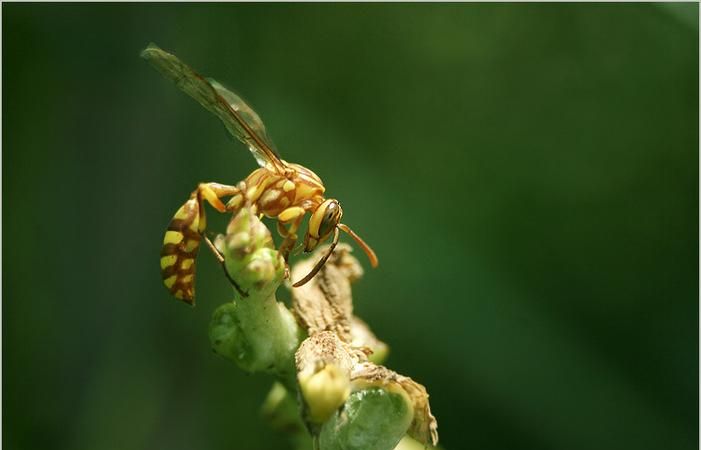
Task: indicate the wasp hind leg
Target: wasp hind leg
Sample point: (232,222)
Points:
(182,239)
(220,258)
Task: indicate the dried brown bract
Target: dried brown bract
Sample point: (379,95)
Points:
(325,303)
(321,349)
(332,361)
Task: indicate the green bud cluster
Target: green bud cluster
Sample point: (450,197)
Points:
(261,335)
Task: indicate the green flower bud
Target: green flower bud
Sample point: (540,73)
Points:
(324,392)
(249,254)
(256,332)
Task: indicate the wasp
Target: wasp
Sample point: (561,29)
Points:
(277,189)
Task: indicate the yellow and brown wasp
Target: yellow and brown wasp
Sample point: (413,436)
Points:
(278,189)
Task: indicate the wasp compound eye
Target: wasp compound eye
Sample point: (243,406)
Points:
(325,219)
(332,215)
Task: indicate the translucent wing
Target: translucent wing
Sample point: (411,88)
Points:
(238,118)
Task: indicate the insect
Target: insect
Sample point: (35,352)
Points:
(278,189)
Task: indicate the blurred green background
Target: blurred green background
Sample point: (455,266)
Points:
(528,175)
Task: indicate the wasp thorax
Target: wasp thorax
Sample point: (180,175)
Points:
(322,223)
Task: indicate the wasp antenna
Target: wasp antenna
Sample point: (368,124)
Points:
(366,248)
(321,262)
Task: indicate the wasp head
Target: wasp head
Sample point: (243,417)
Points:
(322,223)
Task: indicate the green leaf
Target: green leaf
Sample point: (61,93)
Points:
(371,419)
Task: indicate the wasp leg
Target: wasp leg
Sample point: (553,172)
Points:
(182,239)
(293,216)
(220,258)
(212,192)
(237,201)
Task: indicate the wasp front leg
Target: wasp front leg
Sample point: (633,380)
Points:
(292,216)
(182,239)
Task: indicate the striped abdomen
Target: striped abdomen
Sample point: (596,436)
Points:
(180,245)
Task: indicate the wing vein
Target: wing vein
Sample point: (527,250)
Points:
(208,95)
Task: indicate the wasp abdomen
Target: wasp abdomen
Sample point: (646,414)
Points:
(180,245)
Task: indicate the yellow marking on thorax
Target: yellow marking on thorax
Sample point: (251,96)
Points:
(290,213)
(306,191)
(256,176)
(270,196)
(305,173)
(288,186)
(254,193)
(256,190)
(172,237)
(257,182)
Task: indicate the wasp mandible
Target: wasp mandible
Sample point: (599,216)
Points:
(278,189)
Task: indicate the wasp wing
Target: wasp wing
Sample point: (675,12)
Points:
(239,119)
(247,114)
